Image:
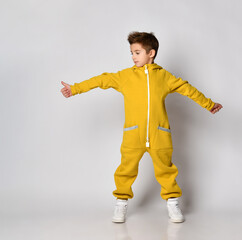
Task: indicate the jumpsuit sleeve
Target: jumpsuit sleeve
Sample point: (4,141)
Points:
(186,89)
(104,81)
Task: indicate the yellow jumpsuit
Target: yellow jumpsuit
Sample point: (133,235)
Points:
(146,126)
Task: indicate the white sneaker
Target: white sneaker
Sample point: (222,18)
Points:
(120,210)
(174,211)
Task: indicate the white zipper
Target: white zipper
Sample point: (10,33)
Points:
(148,117)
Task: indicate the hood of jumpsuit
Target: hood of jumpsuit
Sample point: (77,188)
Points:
(144,90)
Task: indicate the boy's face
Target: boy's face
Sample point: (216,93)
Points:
(140,57)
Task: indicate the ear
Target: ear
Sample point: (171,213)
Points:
(152,53)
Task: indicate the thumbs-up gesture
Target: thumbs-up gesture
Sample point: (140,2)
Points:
(66,90)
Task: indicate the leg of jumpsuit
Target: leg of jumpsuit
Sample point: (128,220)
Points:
(165,172)
(127,171)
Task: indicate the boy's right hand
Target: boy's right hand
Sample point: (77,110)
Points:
(66,90)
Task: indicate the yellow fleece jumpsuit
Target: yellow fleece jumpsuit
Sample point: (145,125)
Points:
(146,126)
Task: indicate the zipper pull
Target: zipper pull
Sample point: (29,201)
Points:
(147,144)
(146,70)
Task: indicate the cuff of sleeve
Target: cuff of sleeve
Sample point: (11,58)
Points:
(73,90)
(210,105)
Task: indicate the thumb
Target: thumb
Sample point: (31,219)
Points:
(65,84)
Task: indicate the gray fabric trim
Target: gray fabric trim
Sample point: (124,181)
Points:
(164,129)
(130,128)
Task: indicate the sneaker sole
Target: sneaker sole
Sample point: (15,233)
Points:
(177,220)
(118,220)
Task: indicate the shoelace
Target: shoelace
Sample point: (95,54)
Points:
(121,208)
(177,209)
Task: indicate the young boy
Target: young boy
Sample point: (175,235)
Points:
(146,128)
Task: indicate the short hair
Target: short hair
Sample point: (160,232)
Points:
(147,40)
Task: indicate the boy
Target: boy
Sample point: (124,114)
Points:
(146,128)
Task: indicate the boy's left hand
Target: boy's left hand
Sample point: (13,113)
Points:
(216,108)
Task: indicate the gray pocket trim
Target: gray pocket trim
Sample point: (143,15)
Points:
(164,129)
(130,128)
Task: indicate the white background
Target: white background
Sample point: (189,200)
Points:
(58,155)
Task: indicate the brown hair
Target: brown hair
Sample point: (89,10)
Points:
(147,40)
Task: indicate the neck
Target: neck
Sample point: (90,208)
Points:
(151,61)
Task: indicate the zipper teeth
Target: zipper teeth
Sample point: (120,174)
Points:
(147,138)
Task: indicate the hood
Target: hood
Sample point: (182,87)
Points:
(150,66)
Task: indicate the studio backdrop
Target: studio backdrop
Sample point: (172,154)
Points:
(59,155)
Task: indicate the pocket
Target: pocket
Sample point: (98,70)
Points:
(163,138)
(131,137)
(164,129)
(130,128)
